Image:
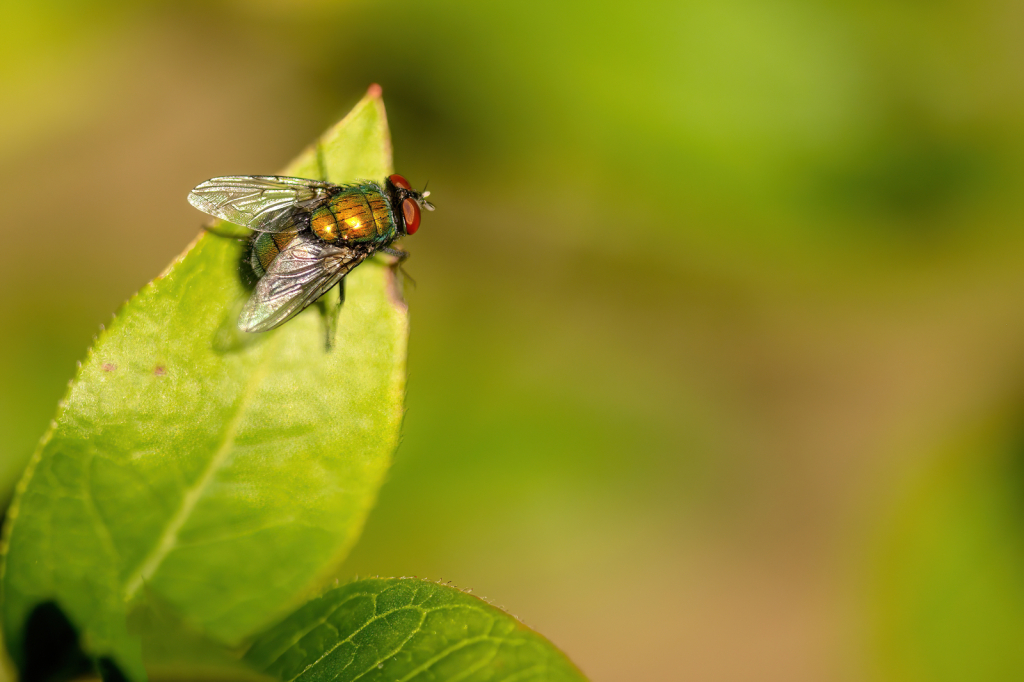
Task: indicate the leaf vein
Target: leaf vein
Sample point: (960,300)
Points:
(103,528)
(415,631)
(365,625)
(444,653)
(484,662)
(524,672)
(169,538)
(317,623)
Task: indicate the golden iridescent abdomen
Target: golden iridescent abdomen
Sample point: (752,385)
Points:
(265,248)
(359,214)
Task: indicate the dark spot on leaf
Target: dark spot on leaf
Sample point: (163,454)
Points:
(160,371)
(51,647)
(109,367)
(109,672)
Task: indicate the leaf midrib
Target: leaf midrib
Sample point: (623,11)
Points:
(169,537)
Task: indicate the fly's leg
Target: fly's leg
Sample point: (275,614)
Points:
(397,253)
(401,256)
(330,314)
(321,162)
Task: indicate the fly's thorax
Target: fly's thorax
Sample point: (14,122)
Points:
(265,247)
(359,214)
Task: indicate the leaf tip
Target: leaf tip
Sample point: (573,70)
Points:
(374,91)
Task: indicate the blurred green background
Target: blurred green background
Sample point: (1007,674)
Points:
(717,362)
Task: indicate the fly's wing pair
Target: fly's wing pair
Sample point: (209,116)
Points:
(306,268)
(265,203)
(303,272)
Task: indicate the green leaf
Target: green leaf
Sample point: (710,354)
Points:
(381,630)
(198,471)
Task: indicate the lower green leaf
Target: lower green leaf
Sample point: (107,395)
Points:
(394,629)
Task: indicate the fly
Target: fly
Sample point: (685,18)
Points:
(309,234)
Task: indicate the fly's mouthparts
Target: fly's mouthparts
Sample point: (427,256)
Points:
(423,200)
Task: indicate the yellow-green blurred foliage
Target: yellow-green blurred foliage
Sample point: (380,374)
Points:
(718,338)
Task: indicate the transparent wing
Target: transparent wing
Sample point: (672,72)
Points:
(303,272)
(265,203)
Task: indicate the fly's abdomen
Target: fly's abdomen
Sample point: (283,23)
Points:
(265,248)
(360,214)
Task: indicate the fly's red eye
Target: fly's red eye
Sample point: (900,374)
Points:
(412,215)
(399,181)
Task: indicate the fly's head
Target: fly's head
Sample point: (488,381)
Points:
(411,202)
